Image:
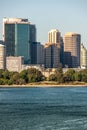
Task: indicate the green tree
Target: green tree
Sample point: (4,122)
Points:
(23,75)
(59,74)
(78,76)
(5,74)
(10,82)
(34,75)
(1,73)
(84,75)
(52,77)
(3,81)
(70,75)
(15,77)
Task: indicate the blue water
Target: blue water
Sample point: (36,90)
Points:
(43,108)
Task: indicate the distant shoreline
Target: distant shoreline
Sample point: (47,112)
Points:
(46,84)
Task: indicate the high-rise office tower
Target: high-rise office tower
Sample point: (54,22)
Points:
(32,39)
(52,55)
(83,57)
(54,36)
(37,54)
(32,33)
(72,49)
(61,51)
(18,35)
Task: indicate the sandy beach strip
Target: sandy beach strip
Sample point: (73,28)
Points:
(34,85)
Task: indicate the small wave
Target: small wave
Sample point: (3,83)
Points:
(79,90)
(64,128)
(76,121)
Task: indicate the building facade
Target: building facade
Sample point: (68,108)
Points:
(40,54)
(18,35)
(61,51)
(2,56)
(72,50)
(51,55)
(37,54)
(54,36)
(83,57)
(14,63)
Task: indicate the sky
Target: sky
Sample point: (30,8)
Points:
(64,15)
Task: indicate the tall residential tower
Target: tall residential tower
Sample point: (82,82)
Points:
(54,36)
(52,49)
(72,49)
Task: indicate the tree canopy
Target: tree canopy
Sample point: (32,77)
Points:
(34,75)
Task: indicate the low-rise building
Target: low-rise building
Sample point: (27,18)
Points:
(38,67)
(14,63)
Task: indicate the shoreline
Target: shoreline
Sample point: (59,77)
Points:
(42,84)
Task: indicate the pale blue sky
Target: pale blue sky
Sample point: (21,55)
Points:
(64,15)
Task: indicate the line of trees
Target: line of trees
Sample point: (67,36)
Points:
(70,76)
(34,75)
(24,77)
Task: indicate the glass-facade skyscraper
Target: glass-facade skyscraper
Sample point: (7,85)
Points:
(18,38)
(22,45)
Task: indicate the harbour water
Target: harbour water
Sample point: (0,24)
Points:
(43,108)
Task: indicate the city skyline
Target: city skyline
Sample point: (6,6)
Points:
(66,16)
